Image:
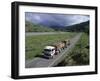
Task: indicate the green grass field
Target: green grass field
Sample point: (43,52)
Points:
(79,54)
(34,44)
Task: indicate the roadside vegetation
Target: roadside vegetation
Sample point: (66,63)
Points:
(79,54)
(35,44)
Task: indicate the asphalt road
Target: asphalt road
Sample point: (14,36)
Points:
(44,62)
(42,33)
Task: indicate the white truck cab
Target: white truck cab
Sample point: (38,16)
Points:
(49,51)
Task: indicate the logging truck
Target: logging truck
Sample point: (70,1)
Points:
(56,48)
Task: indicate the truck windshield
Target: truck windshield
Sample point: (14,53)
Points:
(47,50)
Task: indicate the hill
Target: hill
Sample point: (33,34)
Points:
(30,27)
(81,27)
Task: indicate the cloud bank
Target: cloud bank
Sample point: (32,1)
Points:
(49,19)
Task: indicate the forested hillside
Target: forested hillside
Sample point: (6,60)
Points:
(81,27)
(30,27)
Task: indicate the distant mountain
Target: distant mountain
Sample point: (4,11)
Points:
(81,27)
(30,27)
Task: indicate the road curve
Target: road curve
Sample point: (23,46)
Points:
(43,62)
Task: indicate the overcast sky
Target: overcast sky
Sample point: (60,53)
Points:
(48,19)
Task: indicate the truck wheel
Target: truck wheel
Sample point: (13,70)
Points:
(56,53)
